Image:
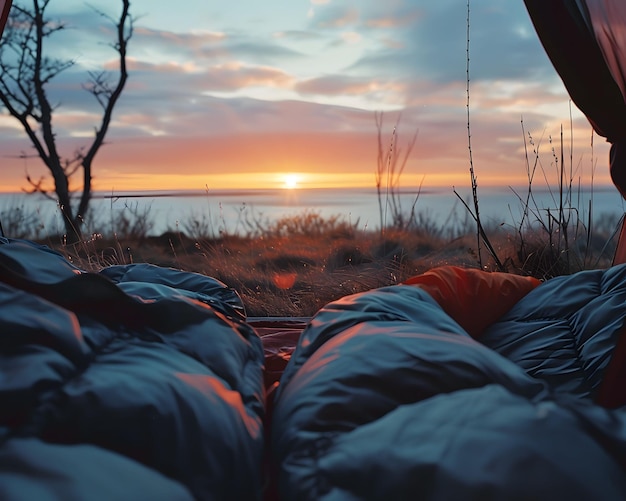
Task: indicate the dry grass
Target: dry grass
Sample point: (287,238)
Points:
(294,274)
(283,273)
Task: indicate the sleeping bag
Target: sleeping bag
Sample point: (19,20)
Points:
(459,384)
(138,382)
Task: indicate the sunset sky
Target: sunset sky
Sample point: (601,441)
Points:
(251,94)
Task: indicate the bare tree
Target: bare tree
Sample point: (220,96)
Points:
(25,73)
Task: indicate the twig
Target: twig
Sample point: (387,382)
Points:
(480,231)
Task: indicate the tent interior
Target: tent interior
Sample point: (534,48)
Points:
(145,382)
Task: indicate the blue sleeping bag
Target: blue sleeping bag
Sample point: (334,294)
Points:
(136,383)
(388,397)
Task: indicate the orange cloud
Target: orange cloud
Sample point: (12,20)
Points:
(341,86)
(234,75)
(324,159)
(261,160)
(194,40)
(391,22)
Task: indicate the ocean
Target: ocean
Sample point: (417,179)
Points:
(240,211)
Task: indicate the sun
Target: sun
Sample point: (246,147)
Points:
(291,181)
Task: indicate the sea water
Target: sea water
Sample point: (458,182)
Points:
(243,211)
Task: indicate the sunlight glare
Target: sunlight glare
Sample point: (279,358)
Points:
(291,181)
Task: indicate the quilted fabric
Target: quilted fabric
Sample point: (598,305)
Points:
(564,332)
(388,397)
(142,382)
(145,376)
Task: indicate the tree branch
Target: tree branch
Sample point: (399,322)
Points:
(25,73)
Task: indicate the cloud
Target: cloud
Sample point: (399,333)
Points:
(297,35)
(230,76)
(190,89)
(235,76)
(351,37)
(401,44)
(338,85)
(429,41)
(146,40)
(311,12)
(211,47)
(389,21)
(336,16)
(213,136)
